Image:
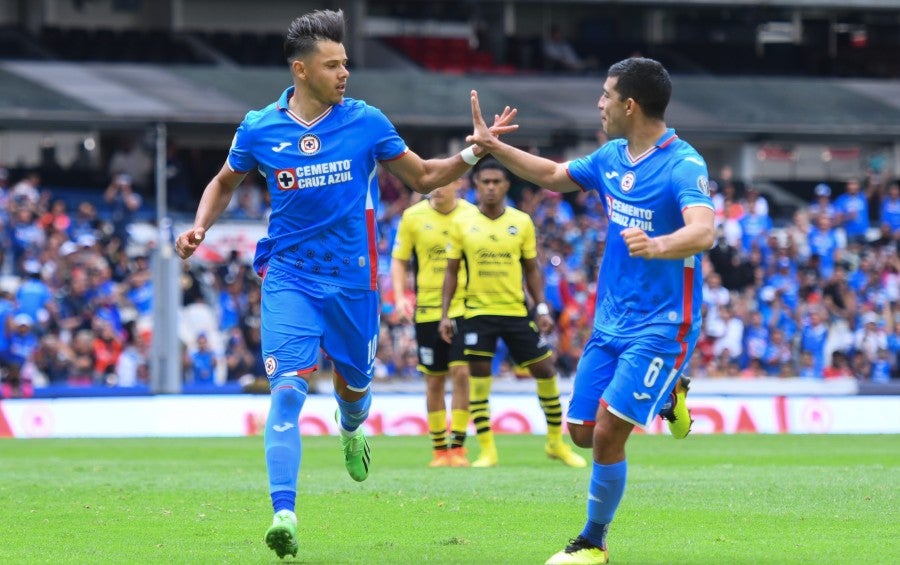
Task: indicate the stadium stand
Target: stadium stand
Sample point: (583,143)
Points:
(771,108)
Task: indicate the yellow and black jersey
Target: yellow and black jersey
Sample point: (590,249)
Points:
(424,233)
(493,251)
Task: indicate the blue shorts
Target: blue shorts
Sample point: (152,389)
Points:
(300,316)
(632,377)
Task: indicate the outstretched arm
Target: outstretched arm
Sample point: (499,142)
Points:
(215,199)
(537,170)
(424,175)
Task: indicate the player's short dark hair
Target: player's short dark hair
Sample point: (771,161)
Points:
(308,29)
(490,163)
(645,80)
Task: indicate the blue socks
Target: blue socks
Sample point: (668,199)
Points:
(353,414)
(282,440)
(604,496)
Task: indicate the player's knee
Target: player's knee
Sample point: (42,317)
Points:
(582,436)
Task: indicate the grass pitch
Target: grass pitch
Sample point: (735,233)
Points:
(707,499)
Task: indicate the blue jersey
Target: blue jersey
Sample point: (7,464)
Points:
(636,295)
(322,180)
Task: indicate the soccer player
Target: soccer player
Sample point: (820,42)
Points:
(423,234)
(318,152)
(499,247)
(655,192)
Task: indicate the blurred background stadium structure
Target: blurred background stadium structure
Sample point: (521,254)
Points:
(115,113)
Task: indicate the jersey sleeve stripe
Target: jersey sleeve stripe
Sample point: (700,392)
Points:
(571,178)
(405,151)
(233,170)
(696,204)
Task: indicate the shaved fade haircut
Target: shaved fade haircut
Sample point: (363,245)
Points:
(307,30)
(646,81)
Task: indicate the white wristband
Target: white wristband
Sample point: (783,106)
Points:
(468,155)
(542,309)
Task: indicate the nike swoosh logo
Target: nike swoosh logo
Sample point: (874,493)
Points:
(283,427)
(281,146)
(593,498)
(611,175)
(641,396)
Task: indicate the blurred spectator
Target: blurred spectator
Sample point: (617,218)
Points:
(890,214)
(56,218)
(839,366)
(853,212)
(130,158)
(822,205)
(107,347)
(881,367)
(247,203)
(202,362)
(52,360)
(22,342)
(4,192)
(824,243)
(139,285)
(121,203)
(754,202)
(133,365)
(34,297)
(27,240)
(560,55)
(83,363)
(73,305)
(731,264)
(755,227)
(813,334)
(715,296)
(870,337)
(232,302)
(728,333)
(837,297)
(756,339)
(778,356)
(26,193)
(239,360)
(85,223)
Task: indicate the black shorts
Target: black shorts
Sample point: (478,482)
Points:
(436,355)
(525,343)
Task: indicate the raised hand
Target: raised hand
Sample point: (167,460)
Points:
(502,123)
(485,136)
(188,241)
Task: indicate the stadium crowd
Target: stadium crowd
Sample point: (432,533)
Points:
(816,295)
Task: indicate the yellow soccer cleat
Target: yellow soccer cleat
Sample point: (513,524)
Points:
(562,451)
(579,552)
(487,458)
(457,457)
(676,412)
(441,458)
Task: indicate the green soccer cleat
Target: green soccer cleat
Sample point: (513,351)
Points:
(676,412)
(281,537)
(356,452)
(579,552)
